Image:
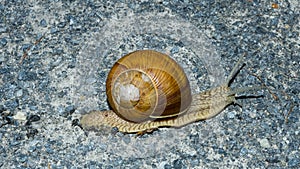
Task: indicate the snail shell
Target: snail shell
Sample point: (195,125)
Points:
(148,90)
(147,85)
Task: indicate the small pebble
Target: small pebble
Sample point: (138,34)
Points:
(2,59)
(3,42)
(20,116)
(294,162)
(43,23)
(231,114)
(19,93)
(264,143)
(3,29)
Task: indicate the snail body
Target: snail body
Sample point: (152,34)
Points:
(147,90)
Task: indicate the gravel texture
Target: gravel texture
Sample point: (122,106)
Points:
(55,56)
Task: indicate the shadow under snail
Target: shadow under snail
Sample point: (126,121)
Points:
(147,90)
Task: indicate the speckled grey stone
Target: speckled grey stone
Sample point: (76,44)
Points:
(43,23)
(3,42)
(3,29)
(264,143)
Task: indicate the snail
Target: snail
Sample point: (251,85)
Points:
(147,89)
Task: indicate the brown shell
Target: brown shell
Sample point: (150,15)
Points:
(146,85)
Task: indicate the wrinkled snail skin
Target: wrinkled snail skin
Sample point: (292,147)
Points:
(204,105)
(201,106)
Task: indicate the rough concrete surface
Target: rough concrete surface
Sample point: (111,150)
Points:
(55,57)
